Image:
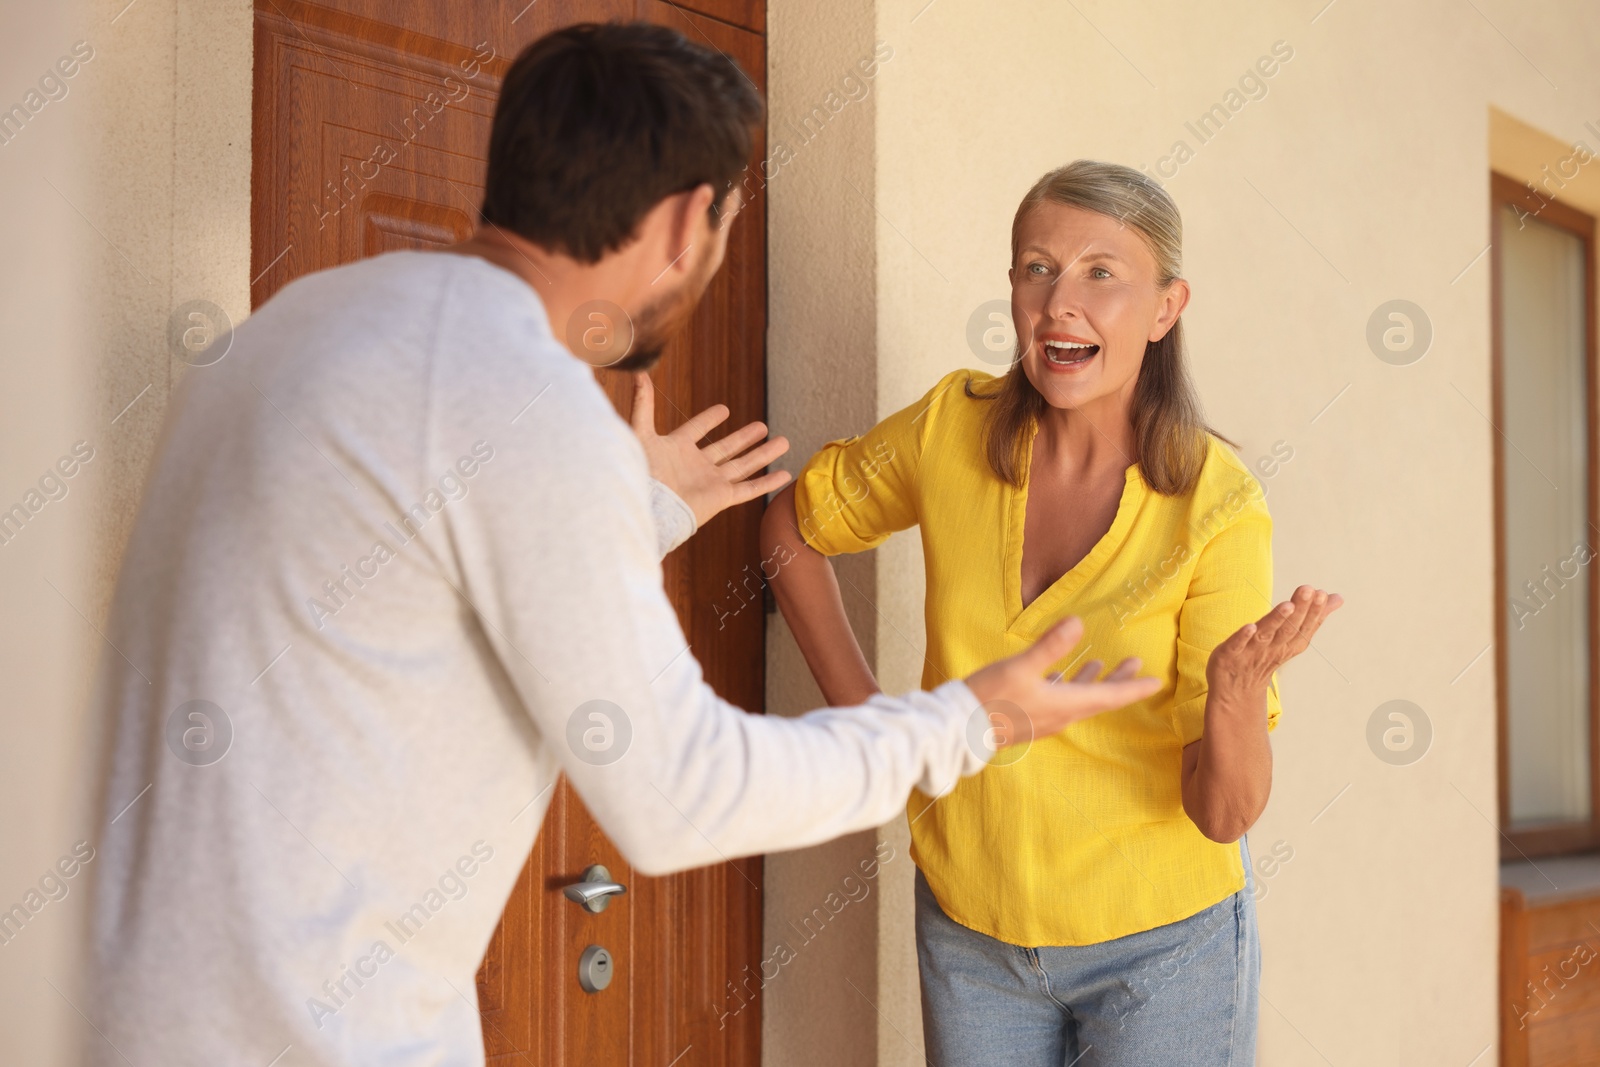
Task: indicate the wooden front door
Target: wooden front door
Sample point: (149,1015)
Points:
(371,127)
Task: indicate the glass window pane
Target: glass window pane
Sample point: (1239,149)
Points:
(1548,545)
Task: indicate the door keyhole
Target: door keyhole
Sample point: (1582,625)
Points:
(595,968)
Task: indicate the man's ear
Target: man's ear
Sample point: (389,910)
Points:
(691,207)
(670,228)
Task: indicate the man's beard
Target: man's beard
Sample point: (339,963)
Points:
(662,318)
(651,332)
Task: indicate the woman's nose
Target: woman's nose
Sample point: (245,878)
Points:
(1062,301)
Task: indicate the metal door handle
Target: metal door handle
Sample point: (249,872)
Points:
(594,892)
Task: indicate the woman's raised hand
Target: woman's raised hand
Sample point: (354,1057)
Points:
(1023,704)
(1243,664)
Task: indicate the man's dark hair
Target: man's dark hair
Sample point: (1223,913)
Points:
(599,122)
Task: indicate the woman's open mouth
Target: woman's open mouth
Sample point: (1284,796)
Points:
(1069,353)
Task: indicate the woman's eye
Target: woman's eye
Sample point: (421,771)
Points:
(1038,269)
(1099,271)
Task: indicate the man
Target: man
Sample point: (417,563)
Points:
(396,553)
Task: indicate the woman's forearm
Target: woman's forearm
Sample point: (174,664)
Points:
(1227,774)
(807,592)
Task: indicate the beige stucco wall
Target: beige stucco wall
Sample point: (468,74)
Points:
(822,380)
(124,198)
(1359,177)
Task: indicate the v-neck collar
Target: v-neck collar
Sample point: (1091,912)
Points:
(1046,606)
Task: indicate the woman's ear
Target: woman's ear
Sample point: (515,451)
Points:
(1173,300)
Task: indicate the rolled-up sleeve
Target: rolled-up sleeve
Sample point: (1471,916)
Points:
(856,491)
(1231,586)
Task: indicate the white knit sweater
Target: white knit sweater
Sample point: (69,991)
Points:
(396,542)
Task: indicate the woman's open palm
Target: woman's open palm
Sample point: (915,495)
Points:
(1244,662)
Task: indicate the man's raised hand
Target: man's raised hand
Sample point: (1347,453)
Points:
(712,477)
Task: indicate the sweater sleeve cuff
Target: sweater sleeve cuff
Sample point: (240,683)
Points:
(674,519)
(960,747)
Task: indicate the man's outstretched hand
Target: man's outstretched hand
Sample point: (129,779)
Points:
(1023,704)
(713,477)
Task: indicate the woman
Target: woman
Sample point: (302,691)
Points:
(1086,898)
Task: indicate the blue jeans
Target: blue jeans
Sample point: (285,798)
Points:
(1184,993)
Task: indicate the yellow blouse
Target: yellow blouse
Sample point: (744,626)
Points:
(1081,837)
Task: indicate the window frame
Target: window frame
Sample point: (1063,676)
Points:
(1555,837)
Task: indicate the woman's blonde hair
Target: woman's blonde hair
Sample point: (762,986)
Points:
(1167,423)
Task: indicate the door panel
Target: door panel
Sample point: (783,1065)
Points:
(371,123)
(746,14)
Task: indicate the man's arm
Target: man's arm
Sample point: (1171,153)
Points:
(559,555)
